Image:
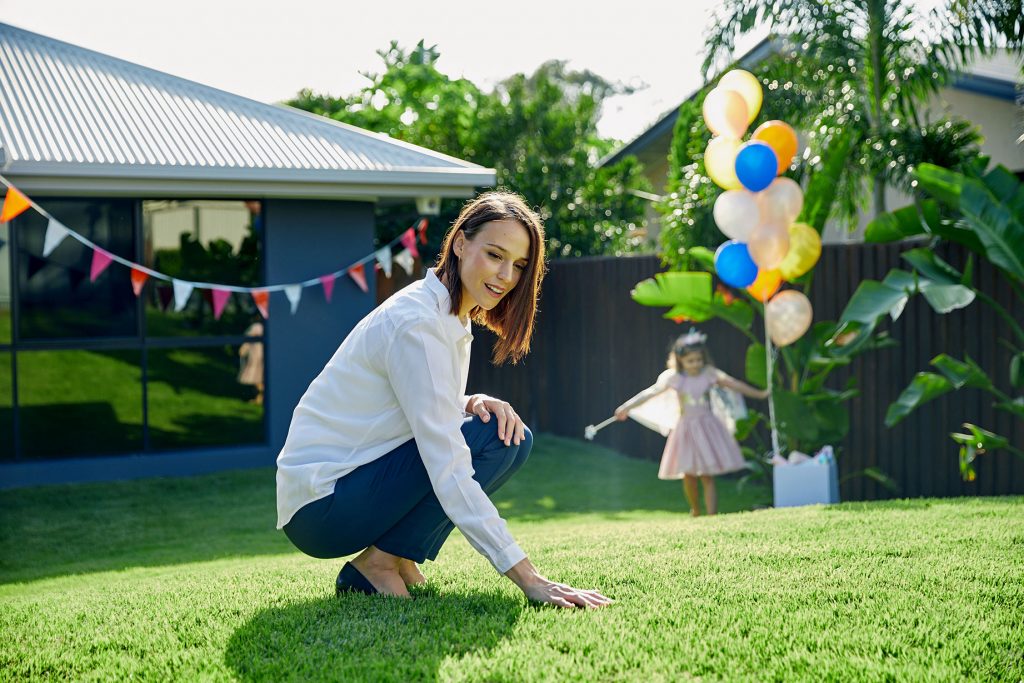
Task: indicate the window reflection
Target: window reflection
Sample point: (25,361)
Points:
(197,396)
(79,402)
(57,300)
(200,241)
(5,284)
(6,413)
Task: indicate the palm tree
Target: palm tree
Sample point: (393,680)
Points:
(861,71)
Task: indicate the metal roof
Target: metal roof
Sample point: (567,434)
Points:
(72,119)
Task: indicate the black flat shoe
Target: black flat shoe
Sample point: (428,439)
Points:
(350,580)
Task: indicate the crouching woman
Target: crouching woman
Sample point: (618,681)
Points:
(386,454)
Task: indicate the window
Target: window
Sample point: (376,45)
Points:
(100,371)
(55,297)
(201,241)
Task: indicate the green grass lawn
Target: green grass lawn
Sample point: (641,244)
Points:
(186,579)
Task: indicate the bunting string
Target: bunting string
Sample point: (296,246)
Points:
(16,202)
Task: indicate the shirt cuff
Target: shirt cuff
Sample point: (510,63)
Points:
(508,557)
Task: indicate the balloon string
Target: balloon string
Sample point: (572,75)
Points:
(770,357)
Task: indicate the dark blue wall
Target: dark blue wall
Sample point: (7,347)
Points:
(305,239)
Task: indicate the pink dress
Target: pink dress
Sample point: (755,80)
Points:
(699,445)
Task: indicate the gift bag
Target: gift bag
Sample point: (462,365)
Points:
(814,481)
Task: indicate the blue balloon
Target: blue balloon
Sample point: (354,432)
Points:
(756,165)
(734,265)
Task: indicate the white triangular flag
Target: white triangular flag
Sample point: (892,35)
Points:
(294,293)
(182,290)
(404,258)
(384,259)
(55,234)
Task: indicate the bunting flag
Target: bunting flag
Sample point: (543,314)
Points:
(100,260)
(358,273)
(328,283)
(163,294)
(294,293)
(220,299)
(384,260)
(409,241)
(261,298)
(55,234)
(14,203)
(404,258)
(35,264)
(138,280)
(216,295)
(182,291)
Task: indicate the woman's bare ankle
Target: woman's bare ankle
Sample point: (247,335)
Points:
(381,570)
(410,573)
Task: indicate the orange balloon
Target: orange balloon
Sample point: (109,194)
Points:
(766,284)
(781,137)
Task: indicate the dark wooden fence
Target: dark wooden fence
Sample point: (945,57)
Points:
(595,347)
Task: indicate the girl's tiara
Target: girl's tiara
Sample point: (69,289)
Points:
(692,338)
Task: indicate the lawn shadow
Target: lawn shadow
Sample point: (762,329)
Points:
(371,638)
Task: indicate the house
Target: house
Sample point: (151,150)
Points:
(985,95)
(154,174)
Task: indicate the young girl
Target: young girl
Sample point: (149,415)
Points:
(699,446)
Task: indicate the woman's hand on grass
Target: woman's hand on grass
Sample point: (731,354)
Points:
(540,589)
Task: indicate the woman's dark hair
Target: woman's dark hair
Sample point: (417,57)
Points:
(512,318)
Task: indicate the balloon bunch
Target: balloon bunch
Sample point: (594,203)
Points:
(759,207)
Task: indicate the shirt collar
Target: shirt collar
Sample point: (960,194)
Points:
(453,325)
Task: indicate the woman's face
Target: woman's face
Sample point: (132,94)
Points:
(693,362)
(491,264)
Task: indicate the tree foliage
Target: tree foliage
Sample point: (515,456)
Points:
(538,131)
(854,76)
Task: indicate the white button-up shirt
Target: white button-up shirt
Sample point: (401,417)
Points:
(400,374)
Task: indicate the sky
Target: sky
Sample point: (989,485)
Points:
(268,51)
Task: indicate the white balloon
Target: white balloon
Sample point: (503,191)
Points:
(788,316)
(781,202)
(736,214)
(768,244)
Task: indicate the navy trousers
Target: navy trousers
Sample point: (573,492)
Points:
(389,503)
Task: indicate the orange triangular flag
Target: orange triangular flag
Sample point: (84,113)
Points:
(422,230)
(358,273)
(261,298)
(14,203)
(138,280)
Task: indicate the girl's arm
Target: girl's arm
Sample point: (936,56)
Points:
(622,412)
(728,382)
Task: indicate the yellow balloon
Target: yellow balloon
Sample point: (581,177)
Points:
(725,113)
(749,88)
(720,162)
(804,251)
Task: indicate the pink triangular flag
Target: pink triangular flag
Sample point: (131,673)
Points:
(220,299)
(409,241)
(100,261)
(358,273)
(138,280)
(328,282)
(261,298)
